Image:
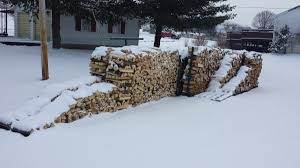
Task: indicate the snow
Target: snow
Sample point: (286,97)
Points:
(53,109)
(119,51)
(20,72)
(257,129)
(34,106)
(55,101)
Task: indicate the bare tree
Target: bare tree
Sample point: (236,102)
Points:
(264,20)
(233,27)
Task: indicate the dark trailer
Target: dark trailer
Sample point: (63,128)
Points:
(250,40)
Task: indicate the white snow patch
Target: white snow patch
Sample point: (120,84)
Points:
(120,51)
(55,101)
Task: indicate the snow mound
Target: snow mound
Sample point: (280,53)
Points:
(120,51)
(138,50)
(55,100)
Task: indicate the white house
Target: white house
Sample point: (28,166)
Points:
(77,32)
(291,18)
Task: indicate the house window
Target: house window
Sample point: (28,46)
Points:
(77,23)
(85,25)
(116,28)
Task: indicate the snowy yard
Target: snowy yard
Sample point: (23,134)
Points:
(258,129)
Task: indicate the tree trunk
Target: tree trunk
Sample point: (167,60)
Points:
(158,35)
(56,39)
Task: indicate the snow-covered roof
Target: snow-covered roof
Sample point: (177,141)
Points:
(288,11)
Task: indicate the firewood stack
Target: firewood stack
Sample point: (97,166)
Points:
(140,77)
(155,77)
(144,76)
(254,62)
(147,75)
(98,66)
(235,64)
(200,70)
(98,102)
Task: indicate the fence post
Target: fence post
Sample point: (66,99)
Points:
(192,57)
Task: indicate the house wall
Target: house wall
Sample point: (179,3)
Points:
(27,26)
(70,37)
(23,25)
(290,18)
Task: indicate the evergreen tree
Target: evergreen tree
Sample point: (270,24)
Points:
(281,40)
(176,14)
(182,14)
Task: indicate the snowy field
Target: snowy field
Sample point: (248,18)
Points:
(258,129)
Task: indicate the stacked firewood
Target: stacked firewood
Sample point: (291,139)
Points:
(155,77)
(235,64)
(254,62)
(200,70)
(98,66)
(144,76)
(140,77)
(94,104)
(212,69)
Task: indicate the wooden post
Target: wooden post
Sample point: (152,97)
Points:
(43,38)
(192,57)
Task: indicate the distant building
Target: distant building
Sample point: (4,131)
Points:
(291,18)
(77,32)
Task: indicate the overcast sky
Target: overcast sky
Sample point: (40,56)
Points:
(247,9)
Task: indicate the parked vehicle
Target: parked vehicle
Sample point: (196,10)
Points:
(170,35)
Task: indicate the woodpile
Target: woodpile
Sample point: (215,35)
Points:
(211,69)
(140,77)
(200,70)
(153,74)
(254,62)
(235,65)
(98,102)
(230,65)
(98,66)
(155,77)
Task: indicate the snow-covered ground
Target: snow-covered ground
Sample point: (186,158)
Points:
(20,71)
(258,129)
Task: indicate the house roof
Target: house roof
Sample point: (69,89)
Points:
(285,12)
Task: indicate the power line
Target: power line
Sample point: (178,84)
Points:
(259,7)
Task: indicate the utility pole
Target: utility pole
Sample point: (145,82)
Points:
(43,38)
